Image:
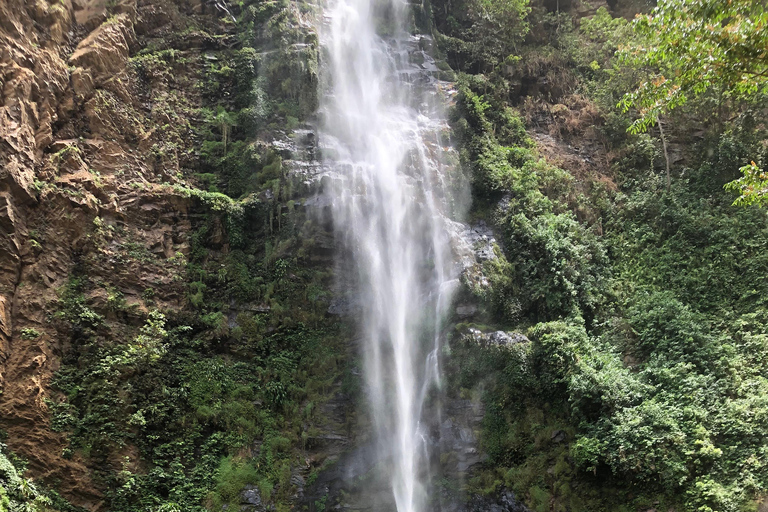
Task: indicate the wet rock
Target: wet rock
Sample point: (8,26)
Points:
(318,201)
(250,500)
(480,237)
(496,338)
(501,338)
(473,245)
(466,310)
(457,438)
(284,147)
(344,306)
(558,436)
(505,502)
(504,202)
(298,482)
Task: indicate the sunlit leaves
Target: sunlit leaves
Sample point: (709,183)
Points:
(690,46)
(752,187)
(498,25)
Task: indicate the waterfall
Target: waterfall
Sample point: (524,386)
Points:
(381,138)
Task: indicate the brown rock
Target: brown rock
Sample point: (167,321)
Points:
(105,51)
(88,10)
(82,83)
(5,317)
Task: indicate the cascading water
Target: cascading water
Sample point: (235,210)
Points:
(381,138)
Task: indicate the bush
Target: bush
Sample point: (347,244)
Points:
(232,476)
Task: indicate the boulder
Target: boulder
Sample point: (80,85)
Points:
(250,499)
(105,51)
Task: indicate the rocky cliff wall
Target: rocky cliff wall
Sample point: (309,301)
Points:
(84,184)
(121,124)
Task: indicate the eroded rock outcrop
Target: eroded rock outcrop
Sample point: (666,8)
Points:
(77,184)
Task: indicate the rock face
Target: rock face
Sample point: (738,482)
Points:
(355,480)
(79,182)
(250,500)
(496,338)
(504,502)
(458,438)
(481,239)
(95,145)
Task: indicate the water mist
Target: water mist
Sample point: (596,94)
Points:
(381,139)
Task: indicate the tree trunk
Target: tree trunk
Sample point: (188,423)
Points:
(666,153)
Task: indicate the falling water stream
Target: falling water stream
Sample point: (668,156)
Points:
(382,121)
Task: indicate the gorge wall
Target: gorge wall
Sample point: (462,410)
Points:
(104,121)
(176,327)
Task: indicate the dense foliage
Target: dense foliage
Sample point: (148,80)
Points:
(643,384)
(481,34)
(21,494)
(555,265)
(180,408)
(688,48)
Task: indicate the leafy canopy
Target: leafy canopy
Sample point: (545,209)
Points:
(752,187)
(497,27)
(691,46)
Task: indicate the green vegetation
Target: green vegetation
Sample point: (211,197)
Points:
(752,187)
(691,48)
(18,493)
(688,47)
(480,35)
(642,290)
(194,391)
(182,407)
(554,265)
(29,333)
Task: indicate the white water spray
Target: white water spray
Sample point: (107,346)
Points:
(381,135)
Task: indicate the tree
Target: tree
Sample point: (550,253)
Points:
(752,187)
(481,34)
(149,346)
(497,27)
(691,46)
(225,121)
